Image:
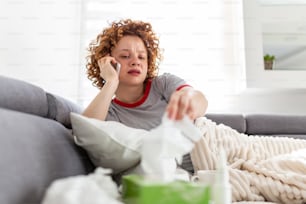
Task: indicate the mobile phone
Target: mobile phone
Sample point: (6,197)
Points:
(117,66)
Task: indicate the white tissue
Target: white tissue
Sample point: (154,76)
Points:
(95,188)
(166,144)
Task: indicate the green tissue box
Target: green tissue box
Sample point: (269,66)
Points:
(137,190)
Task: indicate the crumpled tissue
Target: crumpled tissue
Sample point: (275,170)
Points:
(165,145)
(95,188)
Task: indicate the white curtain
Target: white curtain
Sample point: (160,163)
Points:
(203,41)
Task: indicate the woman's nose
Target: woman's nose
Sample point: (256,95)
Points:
(135,61)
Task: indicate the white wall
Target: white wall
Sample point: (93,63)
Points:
(281,101)
(39,43)
(256,76)
(270,92)
(202,40)
(284,34)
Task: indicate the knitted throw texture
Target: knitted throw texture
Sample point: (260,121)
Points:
(261,168)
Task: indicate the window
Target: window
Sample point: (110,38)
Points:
(202,40)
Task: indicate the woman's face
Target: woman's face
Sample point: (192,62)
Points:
(131,53)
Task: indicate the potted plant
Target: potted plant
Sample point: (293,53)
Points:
(269,61)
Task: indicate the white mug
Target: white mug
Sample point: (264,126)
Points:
(204,176)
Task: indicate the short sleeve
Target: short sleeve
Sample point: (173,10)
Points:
(167,83)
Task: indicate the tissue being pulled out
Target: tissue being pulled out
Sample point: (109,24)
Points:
(166,144)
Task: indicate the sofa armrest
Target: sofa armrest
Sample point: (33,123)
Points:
(35,151)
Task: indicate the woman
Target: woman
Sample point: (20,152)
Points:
(135,95)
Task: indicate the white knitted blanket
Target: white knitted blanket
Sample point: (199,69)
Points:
(261,168)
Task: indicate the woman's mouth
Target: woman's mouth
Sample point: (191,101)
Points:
(134,72)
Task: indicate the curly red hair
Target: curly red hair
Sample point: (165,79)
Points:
(108,39)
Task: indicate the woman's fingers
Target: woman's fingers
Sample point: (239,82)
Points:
(106,68)
(183,106)
(180,104)
(172,106)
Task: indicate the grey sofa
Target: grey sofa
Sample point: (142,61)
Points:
(37,145)
(264,124)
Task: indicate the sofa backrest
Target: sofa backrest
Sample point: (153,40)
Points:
(276,125)
(264,124)
(235,121)
(25,97)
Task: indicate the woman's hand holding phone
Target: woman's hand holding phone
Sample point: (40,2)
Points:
(109,68)
(117,66)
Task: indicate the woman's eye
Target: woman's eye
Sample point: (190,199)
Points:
(125,56)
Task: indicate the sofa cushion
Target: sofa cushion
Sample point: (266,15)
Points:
(22,96)
(109,144)
(267,124)
(235,121)
(34,152)
(59,109)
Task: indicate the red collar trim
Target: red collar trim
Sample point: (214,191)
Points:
(137,103)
